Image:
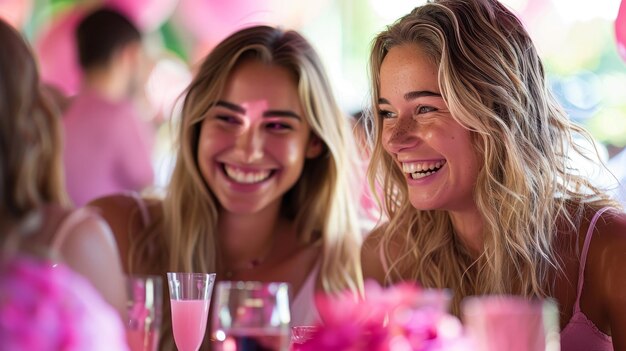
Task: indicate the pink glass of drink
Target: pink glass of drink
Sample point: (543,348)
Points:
(511,323)
(145,298)
(251,316)
(190,297)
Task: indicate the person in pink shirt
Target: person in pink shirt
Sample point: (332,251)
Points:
(107,144)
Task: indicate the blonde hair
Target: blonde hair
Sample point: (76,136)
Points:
(31,173)
(494,85)
(322,201)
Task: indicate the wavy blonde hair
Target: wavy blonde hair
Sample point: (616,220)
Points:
(322,203)
(494,84)
(31,172)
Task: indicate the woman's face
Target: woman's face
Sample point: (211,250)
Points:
(254,142)
(431,149)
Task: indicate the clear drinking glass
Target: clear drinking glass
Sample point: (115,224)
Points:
(145,299)
(251,316)
(301,334)
(511,323)
(190,297)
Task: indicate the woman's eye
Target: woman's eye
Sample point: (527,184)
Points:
(278,126)
(384,114)
(425,109)
(227,119)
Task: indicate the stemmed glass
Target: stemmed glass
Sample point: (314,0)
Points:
(251,316)
(190,297)
(145,294)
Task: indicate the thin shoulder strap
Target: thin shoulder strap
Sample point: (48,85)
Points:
(69,222)
(583,256)
(143,208)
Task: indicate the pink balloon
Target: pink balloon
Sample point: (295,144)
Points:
(16,12)
(55,48)
(210,21)
(620,30)
(146,14)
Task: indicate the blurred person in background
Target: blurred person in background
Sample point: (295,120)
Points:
(108,145)
(61,282)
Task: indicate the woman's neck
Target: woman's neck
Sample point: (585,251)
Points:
(248,238)
(468,227)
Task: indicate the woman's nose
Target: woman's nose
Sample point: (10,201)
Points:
(249,144)
(401,134)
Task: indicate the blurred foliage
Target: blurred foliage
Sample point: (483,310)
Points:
(572,51)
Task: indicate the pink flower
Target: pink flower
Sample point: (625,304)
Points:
(47,307)
(400,318)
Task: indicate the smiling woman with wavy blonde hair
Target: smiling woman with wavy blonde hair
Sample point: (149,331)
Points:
(473,153)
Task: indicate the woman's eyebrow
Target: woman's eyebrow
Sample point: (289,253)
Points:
(269,113)
(281,113)
(231,106)
(412,95)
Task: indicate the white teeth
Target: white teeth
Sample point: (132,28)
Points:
(421,166)
(246,177)
(418,175)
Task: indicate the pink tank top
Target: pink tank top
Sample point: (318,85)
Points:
(580,334)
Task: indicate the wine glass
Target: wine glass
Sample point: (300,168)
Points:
(512,323)
(190,297)
(251,316)
(144,303)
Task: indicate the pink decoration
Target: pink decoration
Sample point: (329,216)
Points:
(167,81)
(146,14)
(45,306)
(56,49)
(210,21)
(16,12)
(403,317)
(620,30)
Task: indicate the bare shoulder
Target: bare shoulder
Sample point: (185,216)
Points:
(124,214)
(117,210)
(609,238)
(605,271)
(89,248)
(88,234)
(90,226)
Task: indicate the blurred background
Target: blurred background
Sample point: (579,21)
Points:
(576,39)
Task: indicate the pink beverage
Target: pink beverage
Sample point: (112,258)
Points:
(189,323)
(251,339)
(140,340)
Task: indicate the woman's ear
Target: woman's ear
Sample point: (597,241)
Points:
(314,147)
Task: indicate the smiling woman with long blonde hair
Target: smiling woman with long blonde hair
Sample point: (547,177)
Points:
(262,188)
(473,153)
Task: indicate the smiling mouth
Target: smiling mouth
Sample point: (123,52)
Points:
(246,177)
(419,170)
